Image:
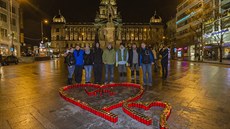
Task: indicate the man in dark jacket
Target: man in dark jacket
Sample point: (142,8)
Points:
(164,61)
(70,61)
(146,61)
(134,62)
(79,57)
(98,63)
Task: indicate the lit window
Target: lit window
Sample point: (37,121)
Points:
(3,17)
(2,4)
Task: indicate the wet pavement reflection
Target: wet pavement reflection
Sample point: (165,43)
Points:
(199,94)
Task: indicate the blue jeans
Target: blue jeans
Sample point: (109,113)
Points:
(147,69)
(109,69)
(71,71)
(88,72)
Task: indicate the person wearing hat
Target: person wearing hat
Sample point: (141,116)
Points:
(79,57)
(70,61)
(122,57)
(97,63)
(109,59)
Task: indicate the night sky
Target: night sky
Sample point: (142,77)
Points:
(85,11)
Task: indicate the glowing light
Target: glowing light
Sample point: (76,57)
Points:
(179,49)
(216,33)
(186,17)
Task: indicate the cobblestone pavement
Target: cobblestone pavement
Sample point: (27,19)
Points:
(199,94)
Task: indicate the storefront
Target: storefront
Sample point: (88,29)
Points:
(179,52)
(226,50)
(191,51)
(4,49)
(211,52)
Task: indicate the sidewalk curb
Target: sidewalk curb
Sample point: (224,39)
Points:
(202,62)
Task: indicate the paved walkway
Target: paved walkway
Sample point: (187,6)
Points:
(224,61)
(199,94)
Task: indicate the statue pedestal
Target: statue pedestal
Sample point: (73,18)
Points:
(110,32)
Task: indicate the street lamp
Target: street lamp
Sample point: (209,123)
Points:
(83,34)
(132,36)
(42,26)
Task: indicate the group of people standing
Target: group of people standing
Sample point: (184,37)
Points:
(97,58)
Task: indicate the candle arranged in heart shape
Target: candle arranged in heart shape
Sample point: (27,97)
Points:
(126,104)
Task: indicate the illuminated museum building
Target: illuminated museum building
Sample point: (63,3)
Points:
(107,28)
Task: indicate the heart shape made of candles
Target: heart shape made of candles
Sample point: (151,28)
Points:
(103,112)
(127,108)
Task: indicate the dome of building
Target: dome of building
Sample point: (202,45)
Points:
(156,19)
(59,18)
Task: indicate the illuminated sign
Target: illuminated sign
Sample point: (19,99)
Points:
(216,33)
(186,17)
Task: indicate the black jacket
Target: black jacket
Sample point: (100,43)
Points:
(164,54)
(88,58)
(70,60)
(97,56)
(0,57)
(130,60)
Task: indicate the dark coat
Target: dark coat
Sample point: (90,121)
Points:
(146,56)
(97,56)
(88,58)
(164,54)
(130,60)
(70,60)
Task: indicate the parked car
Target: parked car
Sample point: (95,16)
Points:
(9,60)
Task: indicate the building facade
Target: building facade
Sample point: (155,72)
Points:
(170,34)
(9,28)
(107,28)
(199,25)
(217,28)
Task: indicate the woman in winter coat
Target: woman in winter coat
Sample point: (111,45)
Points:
(70,61)
(97,63)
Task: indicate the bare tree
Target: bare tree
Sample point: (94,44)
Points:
(219,35)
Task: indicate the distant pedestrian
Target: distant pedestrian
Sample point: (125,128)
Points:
(79,57)
(109,59)
(213,55)
(164,61)
(155,59)
(146,61)
(88,63)
(134,62)
(98,63)
(122,57)
(0,59)
(70,61)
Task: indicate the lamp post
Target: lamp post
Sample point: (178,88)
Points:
(132,36)
(42,28)
(11,28)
